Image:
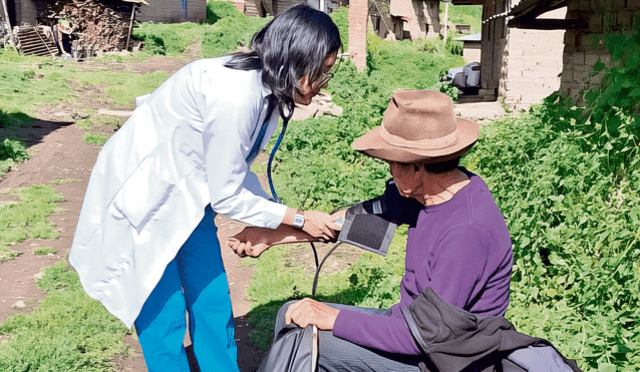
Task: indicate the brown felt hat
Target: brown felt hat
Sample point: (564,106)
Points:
(419,126)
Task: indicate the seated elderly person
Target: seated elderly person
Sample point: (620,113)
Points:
(458,243)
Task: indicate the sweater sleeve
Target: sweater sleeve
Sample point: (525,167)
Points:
(453,274)
(380,332)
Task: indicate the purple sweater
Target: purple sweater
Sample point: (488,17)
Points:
(461,249)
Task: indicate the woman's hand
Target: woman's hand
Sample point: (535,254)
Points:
(339,215)
(251,241)
(320,225)
(308,311)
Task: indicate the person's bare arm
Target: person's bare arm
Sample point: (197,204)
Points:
(252,241)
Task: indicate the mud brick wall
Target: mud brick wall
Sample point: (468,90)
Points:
(425,20)
(173,11)
(584,47)
(534,62)
(358,15)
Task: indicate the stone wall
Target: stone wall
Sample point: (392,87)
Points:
(171,11)
(584,47)
(534,62)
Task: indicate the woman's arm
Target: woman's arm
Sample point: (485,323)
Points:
(252,241)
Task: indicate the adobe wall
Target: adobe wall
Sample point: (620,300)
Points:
(173,11)
(583,48)
(534,62)
(415,19)
(472,51)
(426,20)
(358,16)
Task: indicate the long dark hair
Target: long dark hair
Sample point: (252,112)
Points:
(294,43)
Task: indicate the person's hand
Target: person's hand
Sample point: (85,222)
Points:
(308,311)
(320,225)
(341,214)
(249,242)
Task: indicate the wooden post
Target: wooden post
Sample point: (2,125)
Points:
(446,16)
(6,14)
(133,13)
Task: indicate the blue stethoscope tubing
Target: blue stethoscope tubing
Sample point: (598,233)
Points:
(285,121)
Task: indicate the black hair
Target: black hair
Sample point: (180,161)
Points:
(294,43)
(442,167)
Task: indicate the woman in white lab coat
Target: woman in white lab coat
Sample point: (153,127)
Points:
(146,244)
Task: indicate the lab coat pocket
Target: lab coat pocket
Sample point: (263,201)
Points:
(143,194)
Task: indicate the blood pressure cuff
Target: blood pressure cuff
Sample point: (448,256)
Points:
(367,230)
(370,225)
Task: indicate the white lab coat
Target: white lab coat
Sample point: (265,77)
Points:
(183,147)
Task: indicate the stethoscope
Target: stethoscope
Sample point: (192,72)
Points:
(268,105)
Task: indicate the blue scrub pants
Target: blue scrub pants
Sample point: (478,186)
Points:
(194,281)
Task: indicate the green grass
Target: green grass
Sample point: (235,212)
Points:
(97,139)
(68,331)
(27,219)
(27,82)
(464,15)
(170,39)
(43,251)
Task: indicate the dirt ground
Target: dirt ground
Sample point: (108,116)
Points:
(59,157)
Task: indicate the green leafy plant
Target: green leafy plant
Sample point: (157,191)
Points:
(11,152)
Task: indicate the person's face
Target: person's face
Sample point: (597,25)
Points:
(307,90)
(408,179)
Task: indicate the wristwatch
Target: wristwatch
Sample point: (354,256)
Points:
(298,219)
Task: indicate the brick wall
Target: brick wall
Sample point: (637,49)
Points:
(584,47)
(534,62)
(358,14)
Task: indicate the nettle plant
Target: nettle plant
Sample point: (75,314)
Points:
(566,178)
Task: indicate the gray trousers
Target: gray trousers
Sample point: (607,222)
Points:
(336,354)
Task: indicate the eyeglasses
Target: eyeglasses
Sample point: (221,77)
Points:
(324,78)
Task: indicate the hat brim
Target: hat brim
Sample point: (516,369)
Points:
(372,144)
